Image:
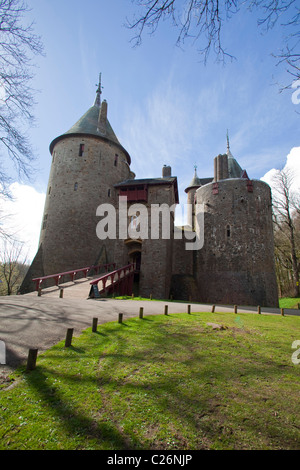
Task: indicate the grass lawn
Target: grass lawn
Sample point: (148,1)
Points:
(162,382)
(289,302)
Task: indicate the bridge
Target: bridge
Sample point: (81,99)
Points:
(87,282)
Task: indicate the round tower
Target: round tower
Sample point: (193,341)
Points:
(191,191)
(87,161)
(236,263)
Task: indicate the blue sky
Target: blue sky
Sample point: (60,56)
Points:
(164,104)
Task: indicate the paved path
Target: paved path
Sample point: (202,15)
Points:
(28,321)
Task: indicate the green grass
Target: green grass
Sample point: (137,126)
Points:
(289,302)
(284,302)
(130,297)
(163,382)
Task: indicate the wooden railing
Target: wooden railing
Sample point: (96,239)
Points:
(57,277)
(121,279)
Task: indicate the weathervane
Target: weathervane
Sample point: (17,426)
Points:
(99,92)
(100,87)
(228,146)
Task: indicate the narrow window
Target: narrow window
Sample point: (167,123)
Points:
(116,160)
(75,186)
(108,193)
(45,221)
(49,190)
(81,150)
(228,231)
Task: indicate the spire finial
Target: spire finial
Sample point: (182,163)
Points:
(99,92)
(229,154)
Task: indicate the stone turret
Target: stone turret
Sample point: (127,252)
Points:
(236,264)
(87,161)
(191,191)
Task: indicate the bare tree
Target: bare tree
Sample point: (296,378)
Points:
(12,267)
(18,46)
(286,210)
(195,19)
(203,20)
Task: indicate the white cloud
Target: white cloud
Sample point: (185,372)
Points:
(22,216)
(292,163)
(157,131)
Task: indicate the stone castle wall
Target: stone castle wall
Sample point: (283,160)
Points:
(236,264)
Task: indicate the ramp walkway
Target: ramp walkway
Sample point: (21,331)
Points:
(77,289)
(90,286)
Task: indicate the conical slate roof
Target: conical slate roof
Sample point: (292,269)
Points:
(195,183)
(89,124)
(234,169)
(93,123)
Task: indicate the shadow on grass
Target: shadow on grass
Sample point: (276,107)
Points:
(189,380)
(104,433)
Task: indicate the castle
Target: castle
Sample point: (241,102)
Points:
(230,218)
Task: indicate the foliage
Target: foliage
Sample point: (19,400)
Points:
(13,267)
(18,45)
(164,382)
(286,218)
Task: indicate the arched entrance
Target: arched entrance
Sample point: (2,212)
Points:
(135,256)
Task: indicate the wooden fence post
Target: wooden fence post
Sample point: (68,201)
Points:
(69,335)
(61,293)
(282,312)
(94,325)
(166,310)
(259,310)
(31,360)
(235,309)
(213,308)
(120,319)
(189,309)
(141,312)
